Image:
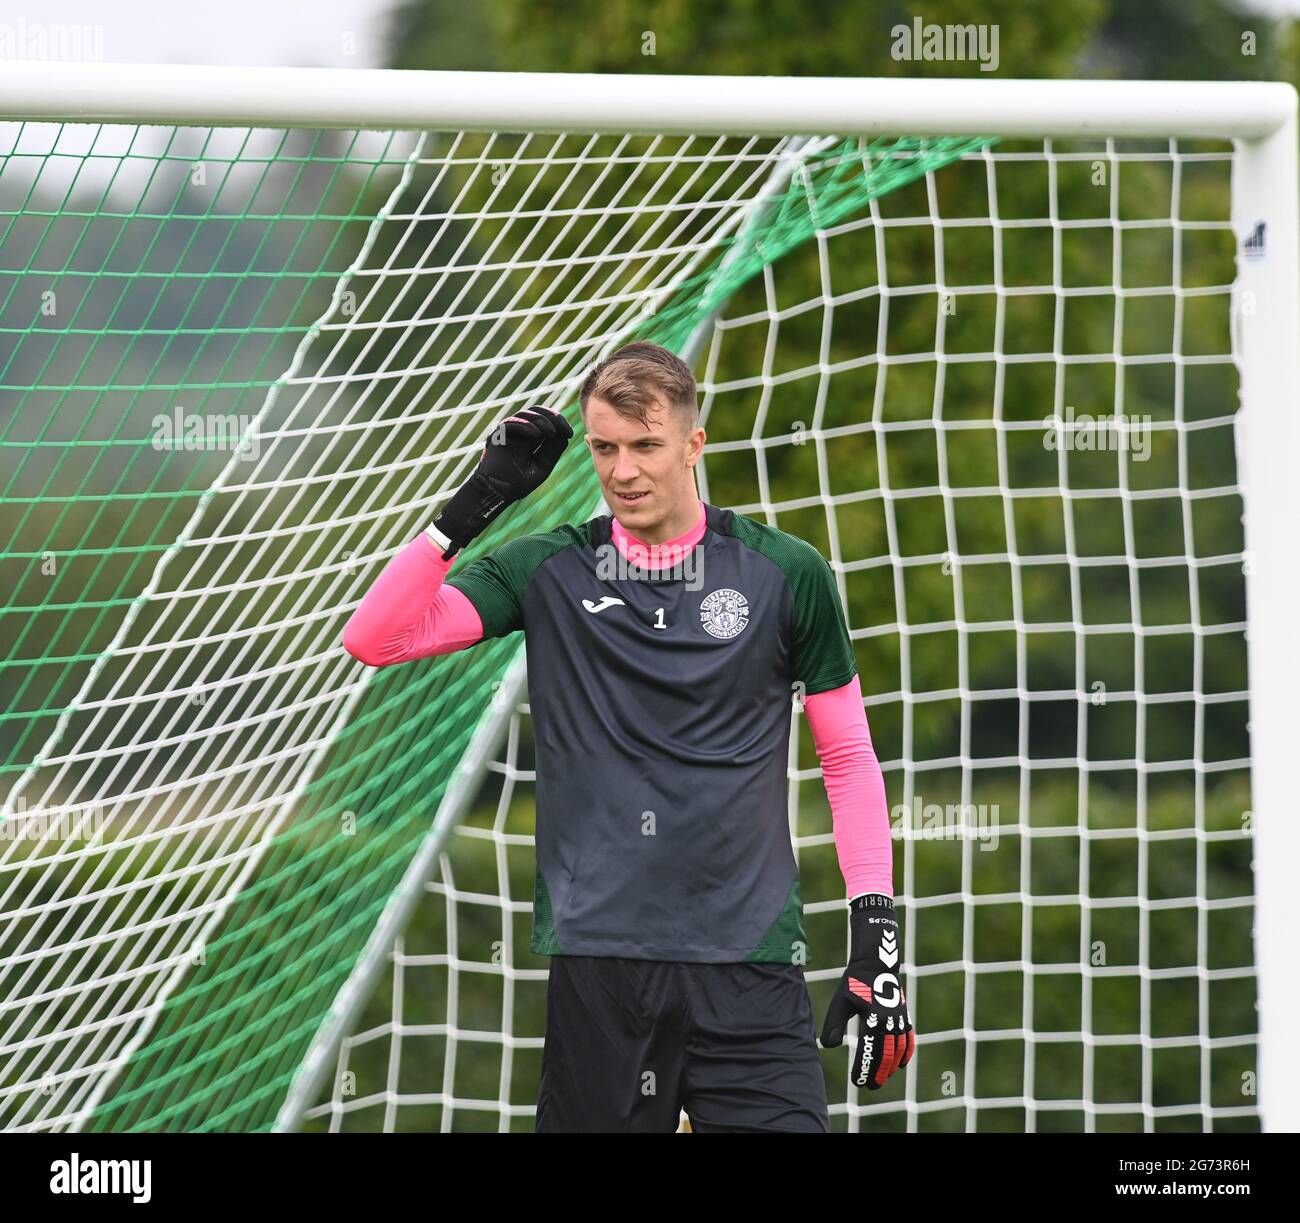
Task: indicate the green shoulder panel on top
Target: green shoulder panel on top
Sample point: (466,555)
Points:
(496,583)
(821,652)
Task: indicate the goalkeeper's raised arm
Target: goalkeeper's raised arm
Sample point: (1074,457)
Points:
(409,613)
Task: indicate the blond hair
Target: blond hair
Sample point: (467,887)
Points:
(637,377)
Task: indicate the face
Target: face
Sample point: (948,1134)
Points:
(657,463)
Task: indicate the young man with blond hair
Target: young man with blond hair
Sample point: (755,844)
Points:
(664,641)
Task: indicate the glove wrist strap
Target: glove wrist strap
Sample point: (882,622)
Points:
(440,541)
(867,916)
(471,509)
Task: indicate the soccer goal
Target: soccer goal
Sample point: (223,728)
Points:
(1019,358)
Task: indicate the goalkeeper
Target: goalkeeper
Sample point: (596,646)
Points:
(663,645)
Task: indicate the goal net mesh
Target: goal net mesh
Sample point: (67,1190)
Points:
(992,381)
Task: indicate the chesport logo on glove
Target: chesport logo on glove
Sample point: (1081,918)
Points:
(870,989)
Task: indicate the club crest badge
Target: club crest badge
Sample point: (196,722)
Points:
(724,613)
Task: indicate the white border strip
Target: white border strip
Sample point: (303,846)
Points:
(533,101)
(1265,206)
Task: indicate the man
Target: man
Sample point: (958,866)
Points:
(664,644)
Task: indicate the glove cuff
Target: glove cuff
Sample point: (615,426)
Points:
(471,509)
(440,541)
(868,916)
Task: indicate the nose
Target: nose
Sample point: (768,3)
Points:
(625,469)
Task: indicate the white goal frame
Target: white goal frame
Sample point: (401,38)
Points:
(1261,118)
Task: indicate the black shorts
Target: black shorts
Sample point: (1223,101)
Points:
(630,1043)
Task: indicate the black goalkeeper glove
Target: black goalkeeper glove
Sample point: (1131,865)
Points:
(870,989)
(520,453)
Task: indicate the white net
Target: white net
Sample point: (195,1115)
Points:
(1001,399)
(993,382)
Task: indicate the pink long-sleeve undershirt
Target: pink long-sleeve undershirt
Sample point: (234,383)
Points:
(408,613)
(855,788)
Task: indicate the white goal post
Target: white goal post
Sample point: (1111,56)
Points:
(134,964)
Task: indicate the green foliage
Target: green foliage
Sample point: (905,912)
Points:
(739,37)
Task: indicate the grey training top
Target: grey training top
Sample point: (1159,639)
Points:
(661,710)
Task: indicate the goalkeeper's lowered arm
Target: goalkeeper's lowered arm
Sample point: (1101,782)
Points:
(871,986)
